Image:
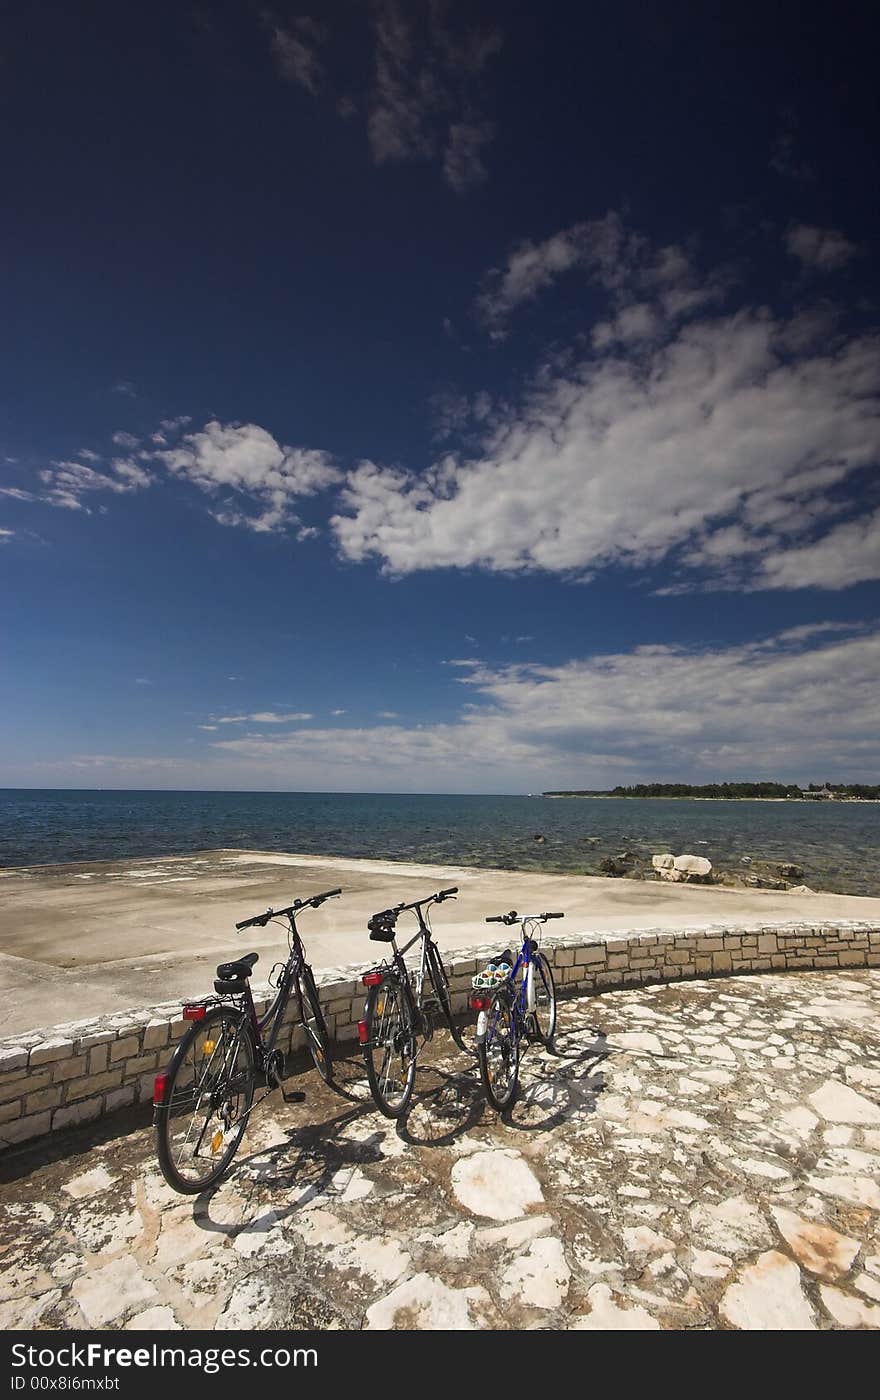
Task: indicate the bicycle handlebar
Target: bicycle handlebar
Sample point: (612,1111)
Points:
(262,919)
(514,918)
(437,898)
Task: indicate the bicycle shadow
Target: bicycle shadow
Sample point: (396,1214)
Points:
(313,1162)
(439,1114)
(551,1094)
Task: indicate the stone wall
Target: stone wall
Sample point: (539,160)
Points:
(54,1079)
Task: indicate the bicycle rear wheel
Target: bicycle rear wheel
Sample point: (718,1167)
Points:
(498,1050)
(545,999)
(390,1049)
(209,1089)
(440,983)
(312,1018)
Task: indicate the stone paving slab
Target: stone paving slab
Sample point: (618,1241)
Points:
(700,1155)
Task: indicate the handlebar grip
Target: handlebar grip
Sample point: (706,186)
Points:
(495,919)
(245,923)
(319,898)
(552,916)
(443,894)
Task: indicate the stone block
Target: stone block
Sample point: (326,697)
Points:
(95,1084)
(852,958)
(23,1129)
(72,1114)
(13,1059)
(721,962)
(591,953)
(69,1069)
(26,1084)
(120,1098)
(50,1050)
(155,1035)
(99,1058)
(124,1049)
(8,1111)
(133,1068)
(45,1098)
(98,1037)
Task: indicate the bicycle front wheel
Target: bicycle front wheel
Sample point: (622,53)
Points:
(312,1018)
(498,1050)
(208,1094)
(545,999)
(390,1049)
(440,983)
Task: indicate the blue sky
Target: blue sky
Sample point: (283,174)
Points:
(438,397)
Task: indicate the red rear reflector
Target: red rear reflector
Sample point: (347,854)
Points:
(363,1033)
(160,1086)
(371,979)
(480,1003)
(195,1013)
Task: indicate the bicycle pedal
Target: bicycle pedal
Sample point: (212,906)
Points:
(293,1096)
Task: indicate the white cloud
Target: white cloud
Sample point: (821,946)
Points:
(142,680)
(6,535)
(650,286)
(718,443)
(264,717)
(247,460)
(388,714)
(653,713)
(295,51)
(463,164)
(15,494)
(424,96)
(124,387)
(68,482)
(820,249)
(338,712)
(848,554)
(121,439)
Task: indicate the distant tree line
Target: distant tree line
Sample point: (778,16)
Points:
(730,790)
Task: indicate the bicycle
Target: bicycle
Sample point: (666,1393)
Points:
(204,1098)
(396,1012)
(520,1007)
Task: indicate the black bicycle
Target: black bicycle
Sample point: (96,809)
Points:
(203,1100)
(514,1006)
(397,1013)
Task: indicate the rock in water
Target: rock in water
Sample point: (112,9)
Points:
(541,840)
(693,865)
(664,862)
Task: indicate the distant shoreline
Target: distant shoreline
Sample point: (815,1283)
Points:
(664,797)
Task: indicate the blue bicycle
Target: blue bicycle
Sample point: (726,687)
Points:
(521,1006)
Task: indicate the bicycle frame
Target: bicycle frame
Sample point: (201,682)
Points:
(272,1018)
(415,1001)
(518,991)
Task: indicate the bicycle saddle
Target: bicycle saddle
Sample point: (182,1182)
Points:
(235,972)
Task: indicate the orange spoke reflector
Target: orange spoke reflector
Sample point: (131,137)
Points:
(209,1047)
(217,1140)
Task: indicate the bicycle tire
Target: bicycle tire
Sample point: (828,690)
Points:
(314,1025)
(498,1051)
(545,999)
(195,1140)
(390,1035)
(440,983)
